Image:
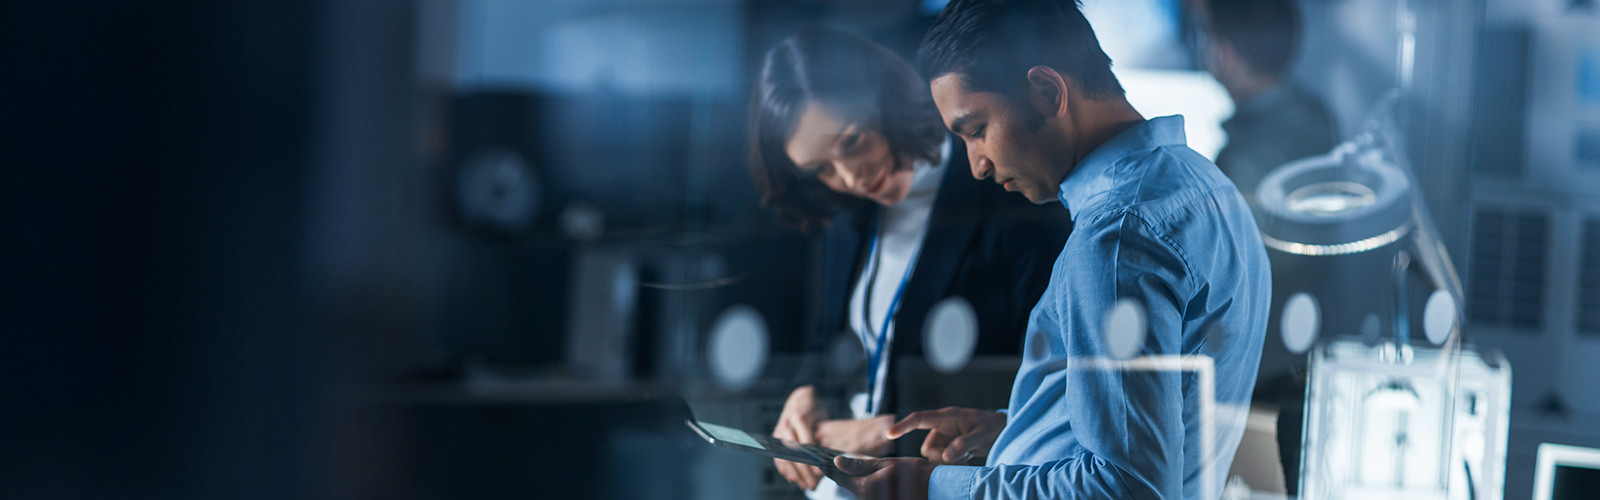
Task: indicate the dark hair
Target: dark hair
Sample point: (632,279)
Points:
(1265,33)
(991,44)
(851,75)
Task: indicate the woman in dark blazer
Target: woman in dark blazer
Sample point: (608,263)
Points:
(847,146)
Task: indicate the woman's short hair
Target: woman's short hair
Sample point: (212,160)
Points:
(852,76)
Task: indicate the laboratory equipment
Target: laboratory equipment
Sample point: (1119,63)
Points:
(1388,414)
(1402,421)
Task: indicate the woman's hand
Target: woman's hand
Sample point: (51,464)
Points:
(868,436)
(798,422)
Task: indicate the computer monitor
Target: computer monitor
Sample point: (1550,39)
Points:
(1566,473)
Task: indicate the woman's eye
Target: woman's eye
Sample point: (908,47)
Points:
(850,141)
(977,133)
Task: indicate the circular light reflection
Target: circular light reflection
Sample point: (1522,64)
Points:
(1439,317)
(1125,329)
(738,346)
(1300,323)
(950,334)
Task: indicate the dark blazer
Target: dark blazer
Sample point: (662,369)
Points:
(992,247)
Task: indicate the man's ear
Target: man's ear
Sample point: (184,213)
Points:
(1047,90)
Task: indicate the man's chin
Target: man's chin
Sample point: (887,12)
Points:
(1039,199)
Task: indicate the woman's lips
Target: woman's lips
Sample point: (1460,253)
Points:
(876,187)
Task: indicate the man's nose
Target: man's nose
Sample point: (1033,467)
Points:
(982,168)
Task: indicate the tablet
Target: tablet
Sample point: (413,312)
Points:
(748,442)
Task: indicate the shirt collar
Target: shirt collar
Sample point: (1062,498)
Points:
(926,175)
(1095,173)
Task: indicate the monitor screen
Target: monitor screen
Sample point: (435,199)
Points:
(1566,472)
(1572,483)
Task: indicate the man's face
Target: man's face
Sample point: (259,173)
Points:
(1016,145)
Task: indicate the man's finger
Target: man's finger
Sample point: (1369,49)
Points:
(958,452)
(845,481)
(933,446)
(858,466)
(917,420)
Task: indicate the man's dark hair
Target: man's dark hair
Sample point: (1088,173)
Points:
(851,75)
(992,43)
(1265,33)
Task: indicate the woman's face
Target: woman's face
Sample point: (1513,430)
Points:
(848,157)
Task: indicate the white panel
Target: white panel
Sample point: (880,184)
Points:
(1197,96)
(1557,114)
(639,47)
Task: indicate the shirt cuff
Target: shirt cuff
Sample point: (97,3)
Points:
(952,482)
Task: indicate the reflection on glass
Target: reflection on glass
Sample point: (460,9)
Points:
(1331,198)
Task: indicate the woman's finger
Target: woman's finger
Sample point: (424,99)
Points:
(813,475)
(785,470)
(802,432)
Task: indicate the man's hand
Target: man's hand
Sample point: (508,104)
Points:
(884,478)
(863,437)
(956,436)
(798,422)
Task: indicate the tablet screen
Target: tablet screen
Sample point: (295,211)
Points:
(731,435)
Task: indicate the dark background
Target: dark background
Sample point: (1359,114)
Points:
(229,266)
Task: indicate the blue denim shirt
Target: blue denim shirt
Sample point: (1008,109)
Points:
(1157,223)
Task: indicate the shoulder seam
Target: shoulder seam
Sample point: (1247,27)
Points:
(1171,246)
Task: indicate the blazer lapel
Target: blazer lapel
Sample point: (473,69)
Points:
(846,244)
(955,218)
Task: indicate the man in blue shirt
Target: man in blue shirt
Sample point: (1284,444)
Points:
(1027,87)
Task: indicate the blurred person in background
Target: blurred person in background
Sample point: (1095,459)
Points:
(1252,45)
(846,145)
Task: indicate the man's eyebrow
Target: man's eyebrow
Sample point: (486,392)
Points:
(959,124)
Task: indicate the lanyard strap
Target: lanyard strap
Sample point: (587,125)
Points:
(866,316)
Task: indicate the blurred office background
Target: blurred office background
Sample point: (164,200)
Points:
(477,248)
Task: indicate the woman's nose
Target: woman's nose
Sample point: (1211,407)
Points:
(850,173)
